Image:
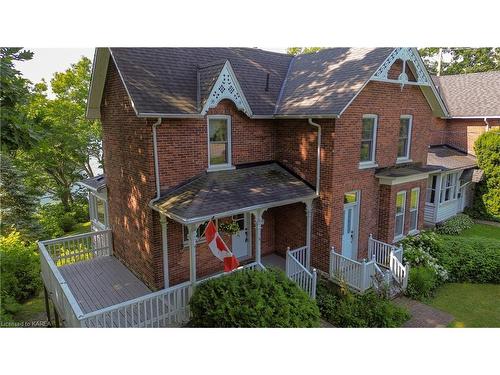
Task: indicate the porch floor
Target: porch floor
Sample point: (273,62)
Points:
(274,260)
(102,282)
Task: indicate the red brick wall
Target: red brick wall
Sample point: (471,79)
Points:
(128,165)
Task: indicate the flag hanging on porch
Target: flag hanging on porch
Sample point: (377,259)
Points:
(219,248)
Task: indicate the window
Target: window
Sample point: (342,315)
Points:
(404,137)
(400,214)
(97,210)
(101,211)
(448,187)
(219,142)
(368,139)
(200,233)
(431,189)
(414,198)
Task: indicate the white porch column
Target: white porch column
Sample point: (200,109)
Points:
(258,233)
(308,204)
(164,245)
(192,228)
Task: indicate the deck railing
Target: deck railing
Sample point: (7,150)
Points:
(296,270)
(357,275)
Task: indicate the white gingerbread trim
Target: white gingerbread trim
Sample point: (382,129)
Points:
(404,54)
(227,87)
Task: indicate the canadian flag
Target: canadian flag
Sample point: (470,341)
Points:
(219,248)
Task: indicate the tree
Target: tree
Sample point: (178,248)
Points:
(461,60)
(302,50)
(67,139)
(18,204)
(14,94)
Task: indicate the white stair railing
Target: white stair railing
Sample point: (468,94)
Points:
(399,271)
(296,270)
(381,251)
(357,275)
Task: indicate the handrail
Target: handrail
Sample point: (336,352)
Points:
(297,272)
(75,237)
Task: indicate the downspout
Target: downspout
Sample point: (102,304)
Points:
(487,123)
(318,156)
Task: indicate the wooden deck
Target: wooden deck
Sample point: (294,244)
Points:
(102,282)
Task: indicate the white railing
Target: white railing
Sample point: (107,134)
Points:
(165,308)
(67,250)
(246,267)
(61,295)
(381,251)
(357,275)
(297,272)
(399,271)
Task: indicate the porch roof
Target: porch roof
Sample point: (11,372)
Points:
(94,183)
(224,193)
(449,158)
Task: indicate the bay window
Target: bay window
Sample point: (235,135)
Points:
(404,141)
(368,139)
(448,187)
(399,223)
(219,142)
(431,189)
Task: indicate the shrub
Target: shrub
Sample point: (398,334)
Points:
(475,260)
(56,221)
(422,283)
(418,252)
(487,148)
(19,270)
(455,225)
(343,308)
(252,299)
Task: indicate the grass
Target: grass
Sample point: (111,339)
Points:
(32,310)
(483,231)
(472,305)
(79,228)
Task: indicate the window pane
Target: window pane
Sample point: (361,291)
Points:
(413,220)
(350,197)
(218,130)
(400,202)
(368,125)
(402,147)
(398,228)
(414,199)
(366,151)
(218,153)
(404,126)
(100,211)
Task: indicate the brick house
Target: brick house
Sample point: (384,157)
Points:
(319,159)
(473,103)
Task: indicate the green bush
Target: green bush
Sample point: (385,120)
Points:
(19,272)
(56,221)
(487,148)
(252,299)
(456,225)
(345,309)
(422,283)
(473,260)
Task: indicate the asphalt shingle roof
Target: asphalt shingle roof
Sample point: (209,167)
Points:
(473,94)
(213,193)
(449,158)
(94,183)
(177,80)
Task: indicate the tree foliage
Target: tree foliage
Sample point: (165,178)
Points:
(462,60)
(66,138)
(302,50)
(14,94)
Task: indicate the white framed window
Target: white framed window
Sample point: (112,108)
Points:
(399,223)
(448,187)
(98,211)
(219,142)
(405,124)
(200,233)
(414,199)
(431,189)
(368,140)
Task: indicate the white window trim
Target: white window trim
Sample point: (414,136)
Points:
(406,158)
(443,188)
(429,189)
(228,165)
(400,236)
(93,211)
(372,162)
(414,230)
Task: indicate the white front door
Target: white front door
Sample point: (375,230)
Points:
(240,246)
(350,227)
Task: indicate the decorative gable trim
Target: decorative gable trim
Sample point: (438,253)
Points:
(227,87)
(406,55)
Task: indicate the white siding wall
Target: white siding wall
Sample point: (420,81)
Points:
(429,213)
(447,210)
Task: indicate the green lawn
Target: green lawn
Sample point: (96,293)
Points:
(472,305)
(482,230)
(79,228)
(32,310)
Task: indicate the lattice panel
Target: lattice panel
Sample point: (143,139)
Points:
(226,87)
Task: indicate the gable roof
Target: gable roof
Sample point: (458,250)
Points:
(471,95)
(176,82)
